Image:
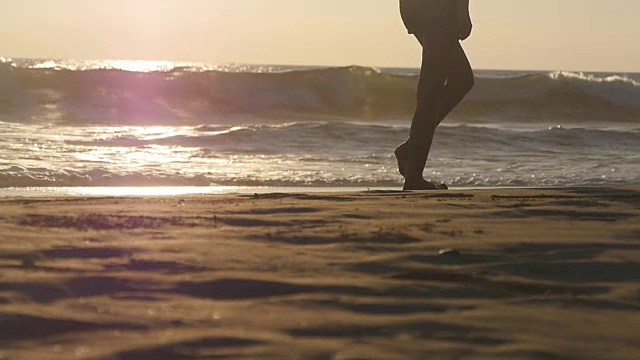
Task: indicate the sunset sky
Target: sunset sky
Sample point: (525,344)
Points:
(590,35)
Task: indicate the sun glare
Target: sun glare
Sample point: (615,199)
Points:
(139,65)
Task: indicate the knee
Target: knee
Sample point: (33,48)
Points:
(462,83)
(468,82)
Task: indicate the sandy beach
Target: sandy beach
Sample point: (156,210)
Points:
(473,274)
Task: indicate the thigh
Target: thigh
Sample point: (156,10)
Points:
(458,66)
(437,54)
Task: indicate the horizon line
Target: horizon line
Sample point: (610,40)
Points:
(212,63)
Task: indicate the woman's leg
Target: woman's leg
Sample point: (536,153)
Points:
(436,56)
(460,80)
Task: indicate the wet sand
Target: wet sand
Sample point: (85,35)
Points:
(474,274)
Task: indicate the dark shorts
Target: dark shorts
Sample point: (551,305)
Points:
(432,18)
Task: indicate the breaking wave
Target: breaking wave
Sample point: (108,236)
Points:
(183,95)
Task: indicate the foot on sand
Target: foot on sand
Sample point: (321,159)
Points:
(419,184)
(422,184)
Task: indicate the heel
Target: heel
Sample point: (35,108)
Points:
(403,161)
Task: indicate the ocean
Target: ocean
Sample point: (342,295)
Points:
(107,124)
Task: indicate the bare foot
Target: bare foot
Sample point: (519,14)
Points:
(422,184)
(403,159)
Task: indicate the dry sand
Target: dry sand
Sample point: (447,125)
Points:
(535,274)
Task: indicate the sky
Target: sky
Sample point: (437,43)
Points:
(581,35)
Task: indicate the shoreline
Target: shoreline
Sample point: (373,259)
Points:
(8,193)
(150,191)
(466,273)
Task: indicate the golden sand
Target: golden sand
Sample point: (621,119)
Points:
(479,274)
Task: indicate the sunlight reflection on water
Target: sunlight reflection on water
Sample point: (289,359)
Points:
(170,190)
(116,191)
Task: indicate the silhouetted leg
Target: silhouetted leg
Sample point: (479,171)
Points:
(436,55)
(459,82)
